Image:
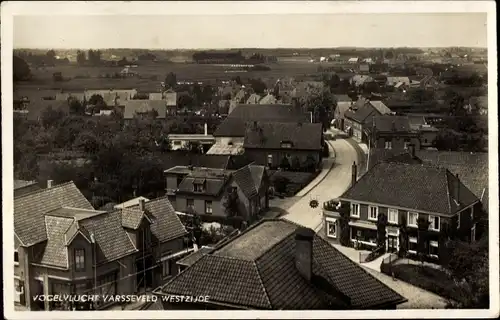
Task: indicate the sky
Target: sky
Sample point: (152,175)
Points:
(251,31)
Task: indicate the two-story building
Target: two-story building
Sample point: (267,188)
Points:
(392,132)
(62,245)
(359,117)
(271,143)
(230,134)
(277,265)
(405,192)
(206,190)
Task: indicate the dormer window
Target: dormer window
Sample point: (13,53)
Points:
(199,185)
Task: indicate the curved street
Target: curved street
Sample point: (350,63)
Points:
(334,180)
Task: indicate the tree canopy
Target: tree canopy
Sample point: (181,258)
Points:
(21,69)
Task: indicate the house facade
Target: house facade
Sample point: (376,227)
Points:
(393,132)
(359,117)
(275,144)
(206,190)
(414,192)
(67,247)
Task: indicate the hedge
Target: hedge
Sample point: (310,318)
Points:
(424,277)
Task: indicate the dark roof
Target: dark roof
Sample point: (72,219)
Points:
(414,186)
(234,124)
(18,184)
(132,107)
(249,179)
(30,209)
(166,224)
(361,111)
(472,168)
(270,135)
(195,256)
(132,218)
(387,123)
(256,270)
(213,180)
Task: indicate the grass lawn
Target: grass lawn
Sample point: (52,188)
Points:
(428,278)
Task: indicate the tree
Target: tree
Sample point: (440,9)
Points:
(232,203)
(422,241)
(97,101)
(321,103)
(170,80)
(446,140)
(87,142)
(75,106)
(285,163)
(258,86)
(310,164)
(345,213)
(21,70)
(51,117)
(421,95)
(280,184)
(237,79)
(81,58)
(295,165)
(403,237)
(381,232)
(51,54)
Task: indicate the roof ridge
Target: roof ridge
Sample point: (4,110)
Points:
(45,189)
(272,247)
(266,294)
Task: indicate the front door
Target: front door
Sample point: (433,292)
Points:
(392,243)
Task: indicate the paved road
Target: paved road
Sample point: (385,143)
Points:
(335,182)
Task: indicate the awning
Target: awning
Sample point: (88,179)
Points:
(329,219)
(364,225)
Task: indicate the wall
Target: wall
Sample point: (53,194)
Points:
(397,139)
(260,156)
(427,138)
(226,140)
(199,203)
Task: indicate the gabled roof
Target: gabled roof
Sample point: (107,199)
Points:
(342,98)
(271,135)
(156,96)
(19,184)
(132,107)
(166,224)
(342,107)
(381,107)
(234,124)
(30,210)
(268,99)
(413,186)
(130,203)
(388,123)
(256,270)
(249,179)
(132,218)
(253,99)
(171,98)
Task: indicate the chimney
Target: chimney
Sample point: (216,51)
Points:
(206,129)
(49,183)
(142,204)
(354,173)
(304,252)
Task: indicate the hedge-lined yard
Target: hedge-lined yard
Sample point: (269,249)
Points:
(428,278)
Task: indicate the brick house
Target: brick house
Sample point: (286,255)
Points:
(278,265)
(271,143)
(405,192)
(63,245)
(393,132)
(205,190)
(359,117)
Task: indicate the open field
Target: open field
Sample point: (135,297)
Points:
(150,75)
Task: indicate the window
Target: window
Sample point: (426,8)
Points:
(79,259)
(331,228)
(16,257)
(269,159)
(393,216)
(373,213)
(458,220)
(412,219)
(177,143)
(388,144)
(426,141)
(355,210)
(434,223)
(167,268)
(473,233)
(198,187)
(433,248)
(106,285)
(412,245)
(190,203)
(286,145)
(208,207)
(406,143)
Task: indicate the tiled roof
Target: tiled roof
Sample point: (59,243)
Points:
(343,98)
(195,256)
(213,186)
(156,96)
(142,106)
(224,150)
(257,270)
(270,135)
(29,210)
(249,179)
(380,107)
(395,80)
(268,99)
(130,203)
(166,224)
(234,124)
(111,239)
(412,186)
(55,252)
(253,99)
(362,114)
(342,107)
(132,218)
(389,123)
